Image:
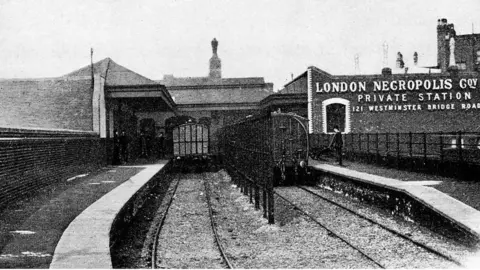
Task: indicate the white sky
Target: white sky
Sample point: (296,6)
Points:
(271,39)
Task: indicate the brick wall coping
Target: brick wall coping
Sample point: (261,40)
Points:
(21,132)
(90,248)
(458,212)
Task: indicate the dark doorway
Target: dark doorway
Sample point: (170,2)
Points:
(335,116)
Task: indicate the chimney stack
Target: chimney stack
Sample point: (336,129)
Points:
(400,63)
(445,32)
(215,62)
(357,64)
(385,54)
(385,70)
(415,59)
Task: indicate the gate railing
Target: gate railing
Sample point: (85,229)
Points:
(246,150)
(259,150)
(416,151)
(191,139)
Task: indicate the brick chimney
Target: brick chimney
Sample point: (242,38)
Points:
(399,62)
(215,62)
(444,32)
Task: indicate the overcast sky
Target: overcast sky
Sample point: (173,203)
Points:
(271,39)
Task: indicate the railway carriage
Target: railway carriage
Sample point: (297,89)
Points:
(290,147)
(274,146)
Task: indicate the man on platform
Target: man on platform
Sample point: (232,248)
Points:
(337,144)
(124,140)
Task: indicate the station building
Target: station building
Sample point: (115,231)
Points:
(105,96)
(213,98)
(442,98)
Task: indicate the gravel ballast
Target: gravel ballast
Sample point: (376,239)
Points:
(186,238)
(384,247)
(252,243)
(294,241)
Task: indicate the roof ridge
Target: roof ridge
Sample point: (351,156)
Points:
(108,67)
(129,70)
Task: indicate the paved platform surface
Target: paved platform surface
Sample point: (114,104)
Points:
(31,228)
(422,190)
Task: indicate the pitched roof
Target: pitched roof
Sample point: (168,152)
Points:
(220,96)
(113,73)
(169,81)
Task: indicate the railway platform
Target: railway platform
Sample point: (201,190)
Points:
(456,200)
(67,224)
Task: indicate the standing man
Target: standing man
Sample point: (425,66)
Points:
(116,148)
(143,145)
(337,144)
(161,145)
(124,146)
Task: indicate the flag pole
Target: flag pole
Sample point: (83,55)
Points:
(91,65)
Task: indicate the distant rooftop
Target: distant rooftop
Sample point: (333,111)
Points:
(114,74)
(220,96)
(170,80)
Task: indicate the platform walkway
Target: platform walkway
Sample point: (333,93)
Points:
(421,189)
(66,225)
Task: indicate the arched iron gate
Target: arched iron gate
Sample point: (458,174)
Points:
(264,151)
(190,140)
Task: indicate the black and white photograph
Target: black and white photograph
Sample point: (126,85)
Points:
(221,134)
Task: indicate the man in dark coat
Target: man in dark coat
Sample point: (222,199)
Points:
(161,145)
(143,145)
(116,148)
(124,146)
(337,144)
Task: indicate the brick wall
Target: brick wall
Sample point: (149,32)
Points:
(47,103)
(32,159)
(435,114)
(466,48)
(298,86)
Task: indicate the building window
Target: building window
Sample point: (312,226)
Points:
(462,66)
(336,111)
(454,143)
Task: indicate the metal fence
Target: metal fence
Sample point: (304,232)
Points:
(266,151)
(434,152)
(247,154)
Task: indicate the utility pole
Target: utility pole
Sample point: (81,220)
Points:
(91,65)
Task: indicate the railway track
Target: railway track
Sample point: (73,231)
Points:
(187,235)
(361,233)
(154,253)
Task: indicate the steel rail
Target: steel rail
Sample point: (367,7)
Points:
(397,233)
(330,231)
(214,227)
(160,225)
